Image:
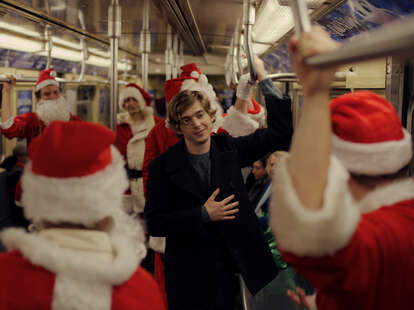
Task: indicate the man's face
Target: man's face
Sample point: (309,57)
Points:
(196,124)
(131,105)
(50,92)
(258,170)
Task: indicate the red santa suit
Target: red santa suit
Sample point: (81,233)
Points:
(358,254)
(73,269)
(29,125)
(130,141)
(68,268)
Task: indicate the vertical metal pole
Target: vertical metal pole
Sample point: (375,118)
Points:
(114,32)
(175,56)
(300,15)
(49,45)
(168,54)
(181,57)
(145,43)
(248,22)
(85,54)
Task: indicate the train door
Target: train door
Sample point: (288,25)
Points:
(84,102)
(103,95)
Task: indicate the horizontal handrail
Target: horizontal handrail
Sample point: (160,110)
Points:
(394,39)
(291,77)
(4,79)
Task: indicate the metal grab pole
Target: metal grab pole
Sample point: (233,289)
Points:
(85,54)
(237,46)
(248,22)
(175,56)
(300,15)
(145,44)
(49,45)
(393,39)
(114,32)
(32,80)
(291,77)
(168,54)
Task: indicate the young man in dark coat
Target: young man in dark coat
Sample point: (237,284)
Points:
(197,200)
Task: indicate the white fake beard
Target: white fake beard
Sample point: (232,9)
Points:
(53,110)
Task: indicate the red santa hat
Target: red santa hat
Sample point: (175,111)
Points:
(139,94)
(368,137)
(190,78)
(75,174)
(46,78)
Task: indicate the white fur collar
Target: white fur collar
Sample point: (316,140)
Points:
(65,261)
(123,118)
(388,195)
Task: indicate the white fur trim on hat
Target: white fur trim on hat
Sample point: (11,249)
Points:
(238,124)
(316,232)
(46,83)
(373,158)
(83,200)
(133,92)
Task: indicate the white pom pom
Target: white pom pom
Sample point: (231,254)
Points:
(195,74)
(53,73)
(203,79)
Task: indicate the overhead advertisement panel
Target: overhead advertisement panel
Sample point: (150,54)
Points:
(350,19)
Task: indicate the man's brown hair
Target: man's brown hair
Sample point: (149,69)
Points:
(182,101)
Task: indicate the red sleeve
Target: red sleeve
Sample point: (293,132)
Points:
(122,137)
(20,126)
(151,152)
(157,119)
(139,292)
(378,256)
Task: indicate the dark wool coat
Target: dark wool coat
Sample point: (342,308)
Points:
(175,195)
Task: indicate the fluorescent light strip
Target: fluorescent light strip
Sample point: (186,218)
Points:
(28,45)
(66,43)
(274,21)
(20,44)
(18,29)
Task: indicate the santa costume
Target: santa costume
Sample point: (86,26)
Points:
(358,254)
(62,266)
(31,124)
(130,141)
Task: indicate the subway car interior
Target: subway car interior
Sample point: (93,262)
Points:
(97,47)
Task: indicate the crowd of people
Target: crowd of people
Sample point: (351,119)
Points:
(325,222)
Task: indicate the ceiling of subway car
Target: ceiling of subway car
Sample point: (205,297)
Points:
(206,27)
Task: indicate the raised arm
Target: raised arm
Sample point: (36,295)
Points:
(309,161)
(5,106)
(279,121)
(245,87)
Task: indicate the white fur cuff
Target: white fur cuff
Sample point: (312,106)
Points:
(238,124)
(157,244)
(7,124)
(313,233)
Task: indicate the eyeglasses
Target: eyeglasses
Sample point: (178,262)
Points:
(187,121)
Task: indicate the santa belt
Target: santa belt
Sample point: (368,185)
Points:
(134,174)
